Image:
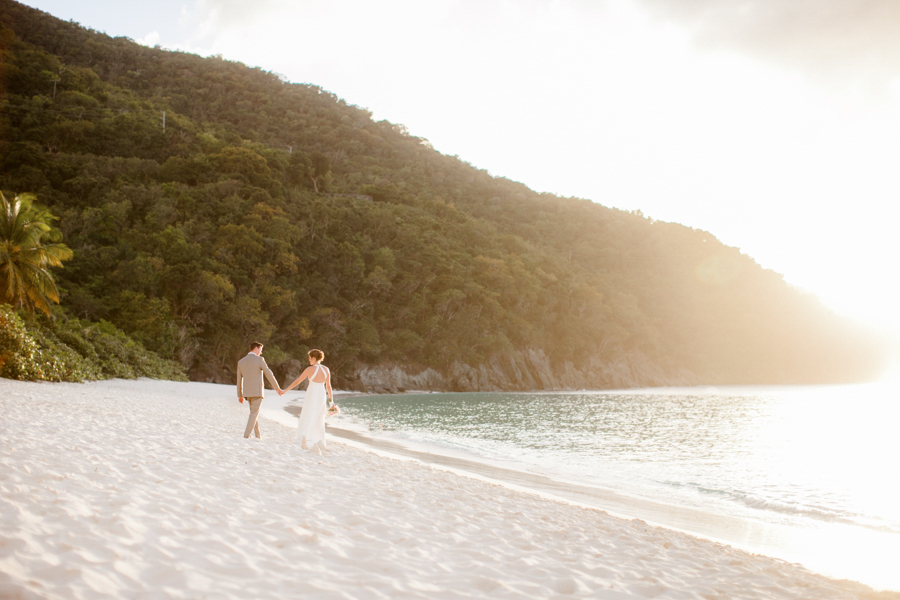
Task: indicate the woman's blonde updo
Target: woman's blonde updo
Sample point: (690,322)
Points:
(318,355)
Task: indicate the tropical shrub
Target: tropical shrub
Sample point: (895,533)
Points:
(63,348)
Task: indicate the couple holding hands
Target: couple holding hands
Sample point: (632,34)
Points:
(317,404)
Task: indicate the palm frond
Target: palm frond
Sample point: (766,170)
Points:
(29,246)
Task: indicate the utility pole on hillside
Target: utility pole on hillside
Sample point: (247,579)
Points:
(164,121)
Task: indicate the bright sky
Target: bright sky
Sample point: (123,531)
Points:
(774,125)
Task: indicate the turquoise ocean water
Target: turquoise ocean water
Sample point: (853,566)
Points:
(809,474)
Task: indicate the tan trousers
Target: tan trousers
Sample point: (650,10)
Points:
(253,421)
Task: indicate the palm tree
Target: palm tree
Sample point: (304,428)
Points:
(29,246)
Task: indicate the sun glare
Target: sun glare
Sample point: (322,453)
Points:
(829,434)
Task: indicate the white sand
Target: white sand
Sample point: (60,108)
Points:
(146,489)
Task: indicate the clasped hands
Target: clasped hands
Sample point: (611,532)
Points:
(281,392)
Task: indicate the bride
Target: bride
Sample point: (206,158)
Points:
(311,425)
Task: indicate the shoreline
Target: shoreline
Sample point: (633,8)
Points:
(619,504)
(756,537)
(121,488)
(778,535)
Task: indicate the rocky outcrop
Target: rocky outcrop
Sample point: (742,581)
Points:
(525,370)
(290,370)
(393,379)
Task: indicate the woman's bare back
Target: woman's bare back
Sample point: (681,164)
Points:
(321,376)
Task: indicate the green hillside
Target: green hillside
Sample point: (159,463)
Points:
(276,211)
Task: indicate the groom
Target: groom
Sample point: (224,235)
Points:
(250,384)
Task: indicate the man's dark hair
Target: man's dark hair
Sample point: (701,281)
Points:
(255,345)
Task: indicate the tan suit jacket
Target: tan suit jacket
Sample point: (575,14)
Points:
(250,371)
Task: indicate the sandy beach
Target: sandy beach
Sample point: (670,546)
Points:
(146,489)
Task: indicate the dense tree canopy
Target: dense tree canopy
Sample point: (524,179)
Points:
(272,210)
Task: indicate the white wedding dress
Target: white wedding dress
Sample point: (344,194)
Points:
(311,425)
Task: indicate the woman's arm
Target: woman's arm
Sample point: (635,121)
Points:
(328,387)
(297,381)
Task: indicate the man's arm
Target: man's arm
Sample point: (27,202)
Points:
(270,375)
(239,390)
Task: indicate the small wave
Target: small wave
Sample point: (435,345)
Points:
(792,509)
(421,440)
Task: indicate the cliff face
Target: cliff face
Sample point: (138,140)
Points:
(527,370)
